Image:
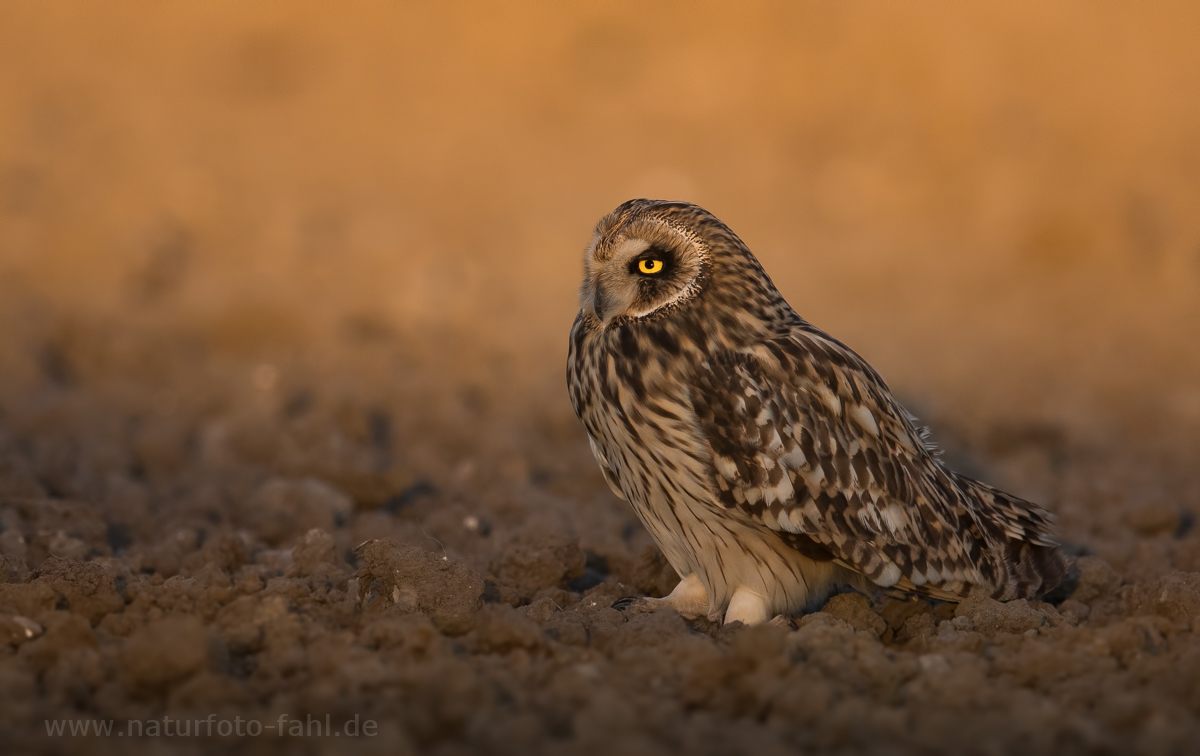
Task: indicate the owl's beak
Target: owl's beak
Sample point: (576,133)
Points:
(591,297)
(598,304)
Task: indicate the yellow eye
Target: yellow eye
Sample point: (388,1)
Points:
(650,267)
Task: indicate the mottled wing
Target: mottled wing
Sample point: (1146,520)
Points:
(1033,563)
(806,439)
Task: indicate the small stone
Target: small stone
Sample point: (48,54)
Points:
(65,632)
(16,629)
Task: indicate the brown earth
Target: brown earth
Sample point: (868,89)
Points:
(284,294)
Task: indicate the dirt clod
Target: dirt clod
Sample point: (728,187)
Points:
(406,579)
(85,587)
(990,616)
(163,653)
(283,510)
(1176,597)
(539,560)
(855,610)
(315,552)
(1097,580)
(500,628)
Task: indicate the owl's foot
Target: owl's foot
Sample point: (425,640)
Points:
(747,607)
(689,599)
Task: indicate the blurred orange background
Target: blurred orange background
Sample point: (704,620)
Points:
(995,203)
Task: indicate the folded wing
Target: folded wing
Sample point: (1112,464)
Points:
(807,440)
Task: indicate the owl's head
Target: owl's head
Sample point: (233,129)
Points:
(652,257)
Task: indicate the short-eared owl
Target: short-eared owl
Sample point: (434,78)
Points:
(769,461)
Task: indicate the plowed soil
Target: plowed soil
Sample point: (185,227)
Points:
(284,296)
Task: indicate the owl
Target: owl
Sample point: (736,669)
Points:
(769,462)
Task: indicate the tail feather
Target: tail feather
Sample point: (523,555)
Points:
(1022,556)
(1036,570)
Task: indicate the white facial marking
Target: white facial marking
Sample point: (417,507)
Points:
(612,291)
